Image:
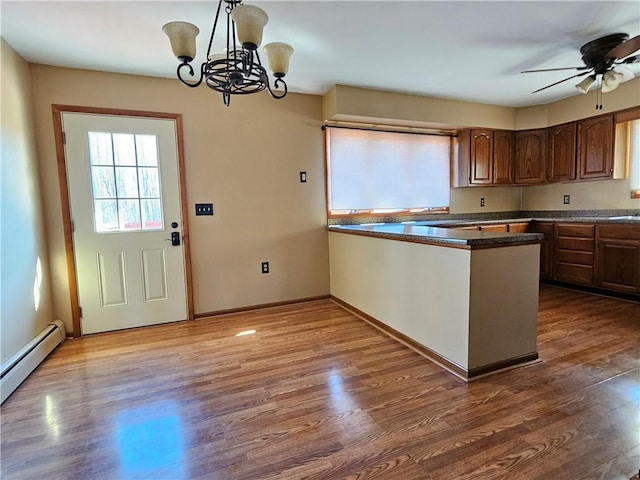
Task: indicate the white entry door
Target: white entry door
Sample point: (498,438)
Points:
(125,206)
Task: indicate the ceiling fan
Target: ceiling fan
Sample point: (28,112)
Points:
(600,56)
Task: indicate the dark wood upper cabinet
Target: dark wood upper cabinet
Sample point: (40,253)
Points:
(481,157)
(562,152)
(531,155)
(573,151)
(484,157)
(595,147)
(503,155)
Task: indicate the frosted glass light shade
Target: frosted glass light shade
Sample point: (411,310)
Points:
(611,80)
(250,21)
(182,36)
(278,55)
(584,85)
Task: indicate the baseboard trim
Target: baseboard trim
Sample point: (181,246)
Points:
(452,367)
(503,365)
(229,311)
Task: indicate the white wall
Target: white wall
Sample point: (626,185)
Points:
(23,238)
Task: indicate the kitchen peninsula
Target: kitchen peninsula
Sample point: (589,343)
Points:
(467,300)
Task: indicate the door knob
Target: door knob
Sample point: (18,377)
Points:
(175,239)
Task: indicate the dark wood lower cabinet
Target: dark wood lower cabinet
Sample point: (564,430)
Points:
(618,254)
(574,247)
(546,247)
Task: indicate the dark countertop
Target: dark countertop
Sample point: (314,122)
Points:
(449,237)
(438,232)
(448,219)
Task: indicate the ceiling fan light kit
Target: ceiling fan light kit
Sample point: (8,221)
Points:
(585,85)
(611,80)
(600,56)
(238,69)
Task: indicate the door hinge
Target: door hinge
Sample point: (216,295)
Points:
(80,311)
(73,226)
(64,138)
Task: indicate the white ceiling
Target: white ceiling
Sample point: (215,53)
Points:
(466,50)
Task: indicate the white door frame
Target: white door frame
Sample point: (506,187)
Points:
(58,110)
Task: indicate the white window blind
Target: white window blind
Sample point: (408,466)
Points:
(387,171)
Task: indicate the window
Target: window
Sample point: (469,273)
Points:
(634,158)
(371,172)
(125,182)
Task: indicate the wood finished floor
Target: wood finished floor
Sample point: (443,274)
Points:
(318,393)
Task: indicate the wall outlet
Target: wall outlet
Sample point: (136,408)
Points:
(265,267)
(567,199)
(303,177)
(204,208)
(482,201)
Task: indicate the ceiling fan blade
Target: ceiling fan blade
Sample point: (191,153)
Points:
(564,80)
(555,69)
(625,48)
(633,59)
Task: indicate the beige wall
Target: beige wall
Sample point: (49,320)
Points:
(496,199)
(579,106)
(23,237)
(344,103)
(472,307)
(244,159)
(421,291)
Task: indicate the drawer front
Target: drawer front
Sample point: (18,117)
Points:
(546,228)
(580,244)
(580,274)
(575,230)
(493,228)
(572,256)
(519,227)
(623,232)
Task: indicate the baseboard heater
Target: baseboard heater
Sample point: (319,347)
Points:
(20,366)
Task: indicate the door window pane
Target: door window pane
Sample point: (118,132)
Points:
(124,149)
(125,181)
(147,150)
(104,183)
(100,148)
(129,213)
(151,214)
(149,183)
(106,215)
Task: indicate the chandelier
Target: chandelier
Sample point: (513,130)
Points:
(238,70)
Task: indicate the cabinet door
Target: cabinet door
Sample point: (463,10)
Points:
(546,247)
(503,153)
(595,147)
(562,152)
(531,149)
(481,157)
(618,266)
(462,158)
